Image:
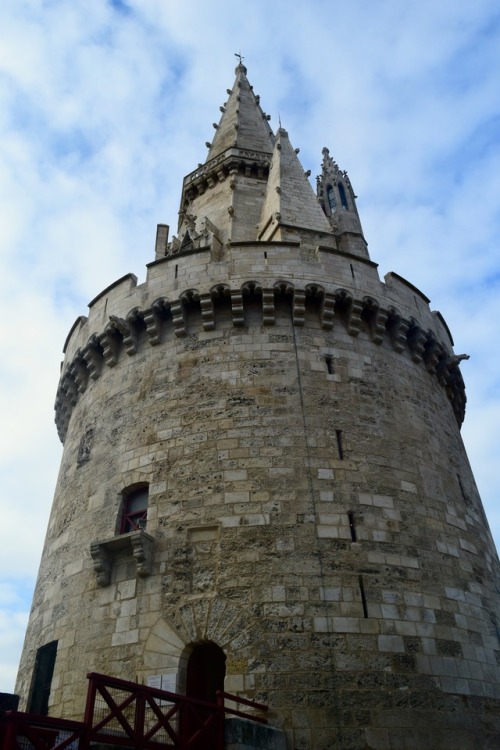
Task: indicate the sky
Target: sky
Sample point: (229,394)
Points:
(106,104)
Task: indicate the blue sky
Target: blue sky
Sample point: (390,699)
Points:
(105,106)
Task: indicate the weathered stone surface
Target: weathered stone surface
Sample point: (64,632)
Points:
(242,734)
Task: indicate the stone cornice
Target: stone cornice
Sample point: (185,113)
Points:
(382,323)
(232,161)
(230,154)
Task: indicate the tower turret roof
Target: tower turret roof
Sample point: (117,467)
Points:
(228,189)
(252,185)
(290,201)
(243,124)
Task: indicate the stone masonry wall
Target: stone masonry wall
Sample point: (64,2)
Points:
(311,507)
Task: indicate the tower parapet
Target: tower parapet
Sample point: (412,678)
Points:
(263,477)
(138,319)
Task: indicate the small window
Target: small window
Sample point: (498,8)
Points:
(134,510)
(343,197)
(331,199)
(352,526)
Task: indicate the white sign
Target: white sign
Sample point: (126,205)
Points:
(166,682)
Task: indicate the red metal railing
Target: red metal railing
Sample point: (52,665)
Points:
(145,717)
(129,715)
(20,731)
(222,696)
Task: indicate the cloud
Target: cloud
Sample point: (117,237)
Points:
(13,621)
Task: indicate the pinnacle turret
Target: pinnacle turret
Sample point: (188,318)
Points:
(338,201)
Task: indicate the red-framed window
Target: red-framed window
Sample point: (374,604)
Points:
(134,510)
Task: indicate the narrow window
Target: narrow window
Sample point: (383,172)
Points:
(461,488)
(265,259)
(176,270)
(352,270)
(331,199)
(495,625)
(363,596)
(339,444)
(343,197)
(42,679)
(352,526)
(329,365)
(134,510)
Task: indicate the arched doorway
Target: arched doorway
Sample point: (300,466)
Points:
(206,669)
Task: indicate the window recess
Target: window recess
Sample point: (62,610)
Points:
(131,540)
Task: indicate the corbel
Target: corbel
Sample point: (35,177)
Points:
(237,307)
(207,311)
(416,338)
(268,307)
(327,311)
(102,562)
(299,307)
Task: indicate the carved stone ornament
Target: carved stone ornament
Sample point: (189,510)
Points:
(105,552)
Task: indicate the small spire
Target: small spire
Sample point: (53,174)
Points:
(338,201)
(289,194)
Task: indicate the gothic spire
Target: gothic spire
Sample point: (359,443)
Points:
(290,204)
(225,193)
(243,124)
(338,201)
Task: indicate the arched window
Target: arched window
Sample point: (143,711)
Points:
(343,197)
(134,510)
(331,199)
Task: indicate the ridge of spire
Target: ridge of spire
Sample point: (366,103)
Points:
(243,124)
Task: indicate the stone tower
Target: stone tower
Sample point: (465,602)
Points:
(263,474)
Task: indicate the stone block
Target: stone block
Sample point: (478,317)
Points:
(391,644)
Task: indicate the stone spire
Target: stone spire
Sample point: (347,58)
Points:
(222,200)
(290,205)
(338,201)
(243,124)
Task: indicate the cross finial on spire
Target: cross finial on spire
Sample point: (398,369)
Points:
(238,54)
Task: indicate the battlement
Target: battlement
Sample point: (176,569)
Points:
(195,309)
(299,262)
